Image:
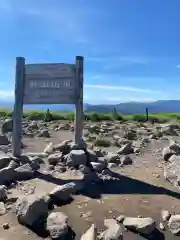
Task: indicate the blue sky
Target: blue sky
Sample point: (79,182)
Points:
(131,47)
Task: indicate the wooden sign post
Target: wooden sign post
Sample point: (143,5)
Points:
(57,83)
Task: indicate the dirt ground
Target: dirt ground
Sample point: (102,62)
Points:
(140,190)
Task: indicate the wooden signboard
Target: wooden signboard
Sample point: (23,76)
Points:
(57,83)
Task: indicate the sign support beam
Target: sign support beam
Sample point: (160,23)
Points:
(79,115)
(18,106)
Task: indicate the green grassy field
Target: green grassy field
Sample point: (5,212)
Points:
(41,115)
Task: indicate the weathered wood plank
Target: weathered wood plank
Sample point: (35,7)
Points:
(18,106)
(79,101)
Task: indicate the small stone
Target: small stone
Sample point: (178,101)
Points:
(120,219)
(2,209)
(165,215)
(5,226)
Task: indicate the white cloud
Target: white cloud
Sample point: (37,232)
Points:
(5,95)
(114,61)
(118,87)
(117,99)
(178,66)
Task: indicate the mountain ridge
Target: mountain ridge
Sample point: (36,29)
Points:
(160,106)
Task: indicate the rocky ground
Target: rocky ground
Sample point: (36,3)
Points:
(122,183)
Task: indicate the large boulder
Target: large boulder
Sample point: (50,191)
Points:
(142,225)
(29,209)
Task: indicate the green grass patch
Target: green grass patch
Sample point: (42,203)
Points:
(93,116)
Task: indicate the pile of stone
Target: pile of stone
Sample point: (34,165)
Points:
(171,157)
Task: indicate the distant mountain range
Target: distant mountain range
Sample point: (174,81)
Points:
(124,108)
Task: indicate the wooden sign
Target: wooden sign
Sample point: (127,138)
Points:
(49,84)
(57,83)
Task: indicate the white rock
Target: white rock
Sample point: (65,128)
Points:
(57,225)
(49,148)
(174,224)
(2,209)
(141,225)
(113,232)
(90,234)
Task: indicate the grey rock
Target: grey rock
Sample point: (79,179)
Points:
(112,158)
(4,160)
(113,232)
(174,158)
(7,126)
(84,169)
(92,156)
(167,153)
(29,209)
(3,193)
(44,133)
(53,159)
(4,140)
(76,158)
(126,160)
(63,147)
(64,192)
(112,165)
(172,172)
(174,224)
(174,147)
(99,166)
(57,225)
(142,225)
(6,175)
(24,172)
(126,149)
(90,234)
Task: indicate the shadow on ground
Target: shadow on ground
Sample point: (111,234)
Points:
(122,185)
